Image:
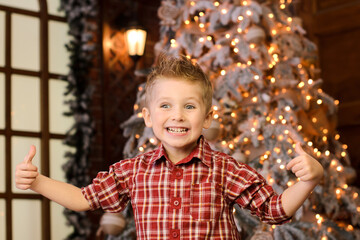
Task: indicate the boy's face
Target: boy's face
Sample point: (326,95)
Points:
(177,114)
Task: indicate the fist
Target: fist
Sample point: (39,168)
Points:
(305,167)
(26,172)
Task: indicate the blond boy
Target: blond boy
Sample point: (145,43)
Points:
(183,189)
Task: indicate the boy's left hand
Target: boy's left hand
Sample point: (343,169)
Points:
(305,167)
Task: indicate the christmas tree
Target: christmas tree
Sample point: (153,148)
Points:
(267,97)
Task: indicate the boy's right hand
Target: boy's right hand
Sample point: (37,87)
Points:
(26,172)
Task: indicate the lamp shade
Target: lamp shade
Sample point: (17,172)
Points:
(135,40)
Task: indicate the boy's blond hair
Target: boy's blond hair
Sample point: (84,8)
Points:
(180,68)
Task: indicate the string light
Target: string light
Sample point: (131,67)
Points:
(301,84)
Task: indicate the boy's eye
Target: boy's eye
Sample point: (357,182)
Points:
(164,106)
(189,106)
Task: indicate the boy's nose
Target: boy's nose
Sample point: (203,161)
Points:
(178,115)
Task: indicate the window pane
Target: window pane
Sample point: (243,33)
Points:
(25,53)
(25,103)
(58,55)
(2,164)
(59,229)
(2,38)
(26,219)
(2,101)
(2,219)
(57,159)
(53,8)
(58,123)
(23,4)
(19,149)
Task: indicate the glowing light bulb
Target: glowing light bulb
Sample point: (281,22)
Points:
(301,84)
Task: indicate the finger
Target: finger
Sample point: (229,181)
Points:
(292,163)
(25,181)
(301,174)
(28,159)
(23,186)
(298,149)
(27,174)
(26,167)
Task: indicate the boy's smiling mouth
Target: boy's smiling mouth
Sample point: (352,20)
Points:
(177,130)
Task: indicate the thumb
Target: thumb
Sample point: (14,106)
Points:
(29,157)
(298,149)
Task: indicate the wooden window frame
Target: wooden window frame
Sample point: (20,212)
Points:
(44,135)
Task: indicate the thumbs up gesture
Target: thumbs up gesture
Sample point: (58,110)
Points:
(305,167)
(26,172)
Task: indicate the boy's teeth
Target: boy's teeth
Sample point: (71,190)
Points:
(177,130)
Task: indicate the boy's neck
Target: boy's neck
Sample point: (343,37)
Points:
(176,156)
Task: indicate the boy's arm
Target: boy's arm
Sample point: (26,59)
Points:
(67,195)
(310,172)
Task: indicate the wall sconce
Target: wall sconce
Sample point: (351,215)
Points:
(135,38)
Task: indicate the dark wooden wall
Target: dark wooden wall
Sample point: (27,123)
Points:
(334,25)
(115,86)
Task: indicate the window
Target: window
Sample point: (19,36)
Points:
(33,59)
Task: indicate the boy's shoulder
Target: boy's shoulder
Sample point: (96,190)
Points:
(145,157)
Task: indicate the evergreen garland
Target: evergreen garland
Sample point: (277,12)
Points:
(79,15)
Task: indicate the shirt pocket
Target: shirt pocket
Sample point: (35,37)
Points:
(206,201)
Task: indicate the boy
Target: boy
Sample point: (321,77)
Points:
(183,189)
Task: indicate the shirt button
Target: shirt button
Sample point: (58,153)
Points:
(178,174)
(176,203)
(174,234)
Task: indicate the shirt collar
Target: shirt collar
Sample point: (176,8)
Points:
(202,152)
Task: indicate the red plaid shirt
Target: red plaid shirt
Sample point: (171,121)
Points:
(192,199)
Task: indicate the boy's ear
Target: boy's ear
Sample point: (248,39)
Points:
(208,119)
(146,116)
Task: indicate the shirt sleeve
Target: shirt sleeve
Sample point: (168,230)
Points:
(109,190)
(250,191)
